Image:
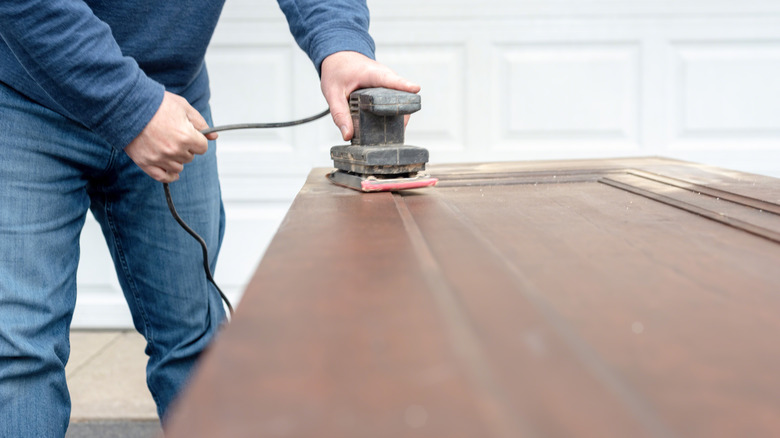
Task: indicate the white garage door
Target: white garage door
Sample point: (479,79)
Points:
(502,80)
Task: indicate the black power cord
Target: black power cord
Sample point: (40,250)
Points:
(202,245)
(192,232)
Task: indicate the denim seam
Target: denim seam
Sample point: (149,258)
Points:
(131,283)
(126,272)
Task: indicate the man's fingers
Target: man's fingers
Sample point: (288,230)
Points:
(169,177)
(196,118)
(198,142)
(164,172)
(159,174)
(199,123)
(174,167)
(387,78)
(199,145)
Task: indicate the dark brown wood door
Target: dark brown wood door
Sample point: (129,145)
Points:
(604,298)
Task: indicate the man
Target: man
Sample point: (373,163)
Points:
(100,101)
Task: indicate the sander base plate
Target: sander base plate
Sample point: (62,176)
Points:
(369,183)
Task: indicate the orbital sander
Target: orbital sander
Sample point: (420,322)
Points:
(378,160)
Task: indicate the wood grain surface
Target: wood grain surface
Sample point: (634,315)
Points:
(597,298)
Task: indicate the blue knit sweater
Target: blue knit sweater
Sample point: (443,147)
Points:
(106,63)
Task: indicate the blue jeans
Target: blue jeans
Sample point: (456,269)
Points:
(52,170)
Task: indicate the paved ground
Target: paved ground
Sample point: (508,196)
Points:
(115,429)
(107,382)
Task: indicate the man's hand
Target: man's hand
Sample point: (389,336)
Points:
(170,139)
(345,72)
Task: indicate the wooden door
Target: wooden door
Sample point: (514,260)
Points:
(600,298)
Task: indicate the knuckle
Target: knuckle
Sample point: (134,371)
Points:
(182,136)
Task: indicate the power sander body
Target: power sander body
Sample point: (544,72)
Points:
(378,160)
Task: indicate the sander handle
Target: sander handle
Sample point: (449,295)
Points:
(378,115)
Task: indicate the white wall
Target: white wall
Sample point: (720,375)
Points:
(502,80)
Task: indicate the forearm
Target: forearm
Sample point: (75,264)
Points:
(73,57)
(322,28)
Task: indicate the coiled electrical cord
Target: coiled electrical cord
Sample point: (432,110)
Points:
(192,232)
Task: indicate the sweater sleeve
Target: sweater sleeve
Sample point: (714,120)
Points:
(73,57)
(322,28)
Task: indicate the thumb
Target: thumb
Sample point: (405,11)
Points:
(339,110)
(198,122)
